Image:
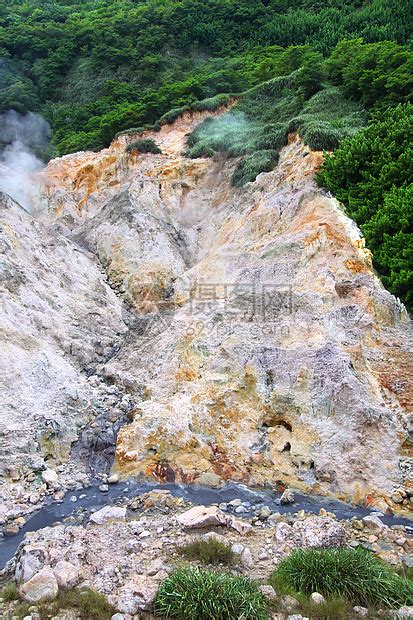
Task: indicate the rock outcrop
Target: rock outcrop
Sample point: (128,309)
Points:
(247,325)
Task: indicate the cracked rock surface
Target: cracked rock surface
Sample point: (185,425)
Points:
(243,332)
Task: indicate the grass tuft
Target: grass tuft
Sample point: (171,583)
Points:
(145,145)
(196,594)
(10,592)
(210,551)
(352,574)
(89,604)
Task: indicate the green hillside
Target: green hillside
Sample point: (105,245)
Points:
(338,72)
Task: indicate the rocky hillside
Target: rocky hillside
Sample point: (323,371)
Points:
(228,333)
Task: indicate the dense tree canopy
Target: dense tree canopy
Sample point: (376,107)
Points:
(98,66)
(319,67)
(372,175)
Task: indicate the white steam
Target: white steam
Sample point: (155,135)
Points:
(20,136)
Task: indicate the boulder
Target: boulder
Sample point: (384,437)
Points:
(283,532)
(289,604)
(319,532)
(202,516)
(42,586)
(268,591)
(107,513)
(50,477)
(374,523)
(31,560)
(67,575)
(206,516)
(247,559)
(405,612)
(317,598)
(242,527)
(361,611)
(137,595)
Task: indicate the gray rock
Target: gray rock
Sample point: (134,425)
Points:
(317,599)
(289,604)
(269,592)
(106,513)
(237,548)
(374,523)
(42,586)
(67,575)
(287,497)
(360,611)
(246,558)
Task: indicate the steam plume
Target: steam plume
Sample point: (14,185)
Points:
(23,138)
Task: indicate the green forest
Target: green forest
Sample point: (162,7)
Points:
(338,71)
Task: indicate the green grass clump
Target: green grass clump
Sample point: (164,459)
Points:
(196,594)
(321,136)
(144,146)
(89,604)
(353,574)
(211,103)
(251,166)
(199,150)
(10,592)
(210,551)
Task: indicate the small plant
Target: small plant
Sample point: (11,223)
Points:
(10,592)
(210,551)
(89,604)
(252,165)
(145,145)
(196,594)
(353,574)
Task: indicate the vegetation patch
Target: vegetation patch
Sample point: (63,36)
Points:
(353,574)
(210,551)
(371,173)
(144,146)
(10,592)
(196,594)
(258,126)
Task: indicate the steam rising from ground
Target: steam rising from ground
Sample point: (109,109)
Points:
(23,138)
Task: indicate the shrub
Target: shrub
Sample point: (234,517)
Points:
(320,136)
(210,551)
(196,594)
(144,146)
(353,574)
(199,150)
(252,165)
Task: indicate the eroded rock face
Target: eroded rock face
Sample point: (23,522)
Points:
(58,319)
(263,347)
